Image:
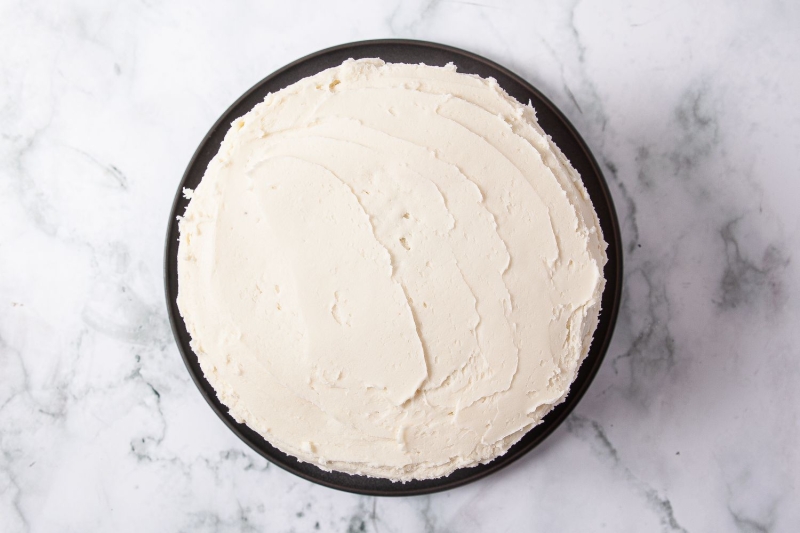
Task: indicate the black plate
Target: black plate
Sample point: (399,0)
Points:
(551,120)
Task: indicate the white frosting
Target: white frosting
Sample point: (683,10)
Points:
(390,270)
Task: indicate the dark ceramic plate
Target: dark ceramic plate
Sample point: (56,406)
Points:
(551,120)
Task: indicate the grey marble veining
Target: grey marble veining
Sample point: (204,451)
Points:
(691,108)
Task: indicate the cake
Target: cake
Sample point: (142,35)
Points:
(390,270)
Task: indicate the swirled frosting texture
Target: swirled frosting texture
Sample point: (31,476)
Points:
(390,270)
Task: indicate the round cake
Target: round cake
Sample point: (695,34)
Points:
(390,270)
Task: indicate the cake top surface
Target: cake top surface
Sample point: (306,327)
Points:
(390,270)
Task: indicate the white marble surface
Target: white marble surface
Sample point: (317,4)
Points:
(692,108)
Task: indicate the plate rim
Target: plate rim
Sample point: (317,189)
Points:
(612,235)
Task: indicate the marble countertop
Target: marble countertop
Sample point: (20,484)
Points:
(693,111)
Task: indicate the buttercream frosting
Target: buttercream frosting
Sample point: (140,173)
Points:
(390,270)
